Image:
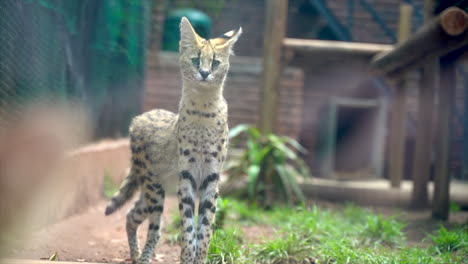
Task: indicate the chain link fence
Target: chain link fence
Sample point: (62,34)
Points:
(82,51)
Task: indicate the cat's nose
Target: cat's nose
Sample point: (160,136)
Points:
(204,74)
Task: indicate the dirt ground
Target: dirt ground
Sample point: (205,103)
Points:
(92,237)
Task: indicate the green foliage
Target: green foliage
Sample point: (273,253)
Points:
(454,207)
(450,240)
(353,235)
(290,248)
(109,186)
(226,247)
(221,211)
(271,165)
(173,229)
(242,213)
(380,229)
(54,257)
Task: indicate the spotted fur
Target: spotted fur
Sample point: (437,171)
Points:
(191,145)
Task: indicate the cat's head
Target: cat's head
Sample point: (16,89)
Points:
(205,62)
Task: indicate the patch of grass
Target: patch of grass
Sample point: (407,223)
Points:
(173,229)
(226,247)
(356,214)
(450,240)
(291,248)
(109,186)
(454,207)
(241,212)
(223,208)
(324,236)
(383,230)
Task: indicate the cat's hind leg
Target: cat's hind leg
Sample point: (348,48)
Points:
(135,217)
(153,194)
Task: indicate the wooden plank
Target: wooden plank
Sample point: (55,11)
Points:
(423,148)
(335,48)
(435,39)
(275,30)
(397,134)
(441,199)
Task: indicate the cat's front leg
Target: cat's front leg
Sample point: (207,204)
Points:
(186,195)
(206,215)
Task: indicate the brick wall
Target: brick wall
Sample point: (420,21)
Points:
(305,22)
(242,91)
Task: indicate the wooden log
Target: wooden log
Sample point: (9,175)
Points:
(334,48)
(398,118)
(275,30)
(440,36)
(454,22)
(441,199)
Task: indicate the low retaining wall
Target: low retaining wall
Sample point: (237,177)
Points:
(75,183)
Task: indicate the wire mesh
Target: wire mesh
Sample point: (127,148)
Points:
(84,51)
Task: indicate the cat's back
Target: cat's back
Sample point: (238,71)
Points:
(153,127)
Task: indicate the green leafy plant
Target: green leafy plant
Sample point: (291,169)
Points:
(450,240)
(386,230)
(271,164)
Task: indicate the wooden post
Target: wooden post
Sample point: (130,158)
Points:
(398,118)
(423,151)
(274,33)
(441,199)
(156,29)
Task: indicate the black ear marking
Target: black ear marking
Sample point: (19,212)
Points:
(224,36)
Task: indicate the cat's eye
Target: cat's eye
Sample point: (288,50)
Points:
(196,62)
(215,64)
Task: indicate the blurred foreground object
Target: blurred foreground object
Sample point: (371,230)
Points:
(32,184)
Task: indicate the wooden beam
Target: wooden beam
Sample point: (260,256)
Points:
(274,33)
(397,135)
(334,48)
(440,36)
(423,149)
(441,199)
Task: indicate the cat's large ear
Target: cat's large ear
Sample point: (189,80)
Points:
(188,36)
(229,38)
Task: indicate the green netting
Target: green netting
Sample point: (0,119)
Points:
(76,50)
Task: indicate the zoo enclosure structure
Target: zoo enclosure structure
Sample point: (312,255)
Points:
(439,43)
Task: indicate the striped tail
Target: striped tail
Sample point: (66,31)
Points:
(125,193)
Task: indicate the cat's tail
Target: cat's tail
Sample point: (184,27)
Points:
(125,193)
